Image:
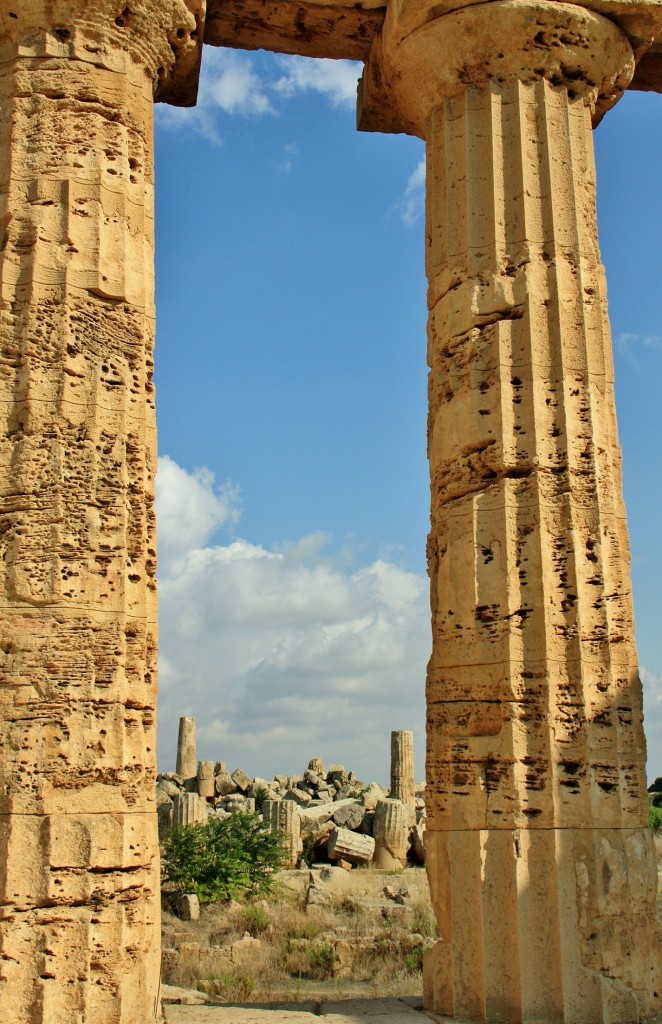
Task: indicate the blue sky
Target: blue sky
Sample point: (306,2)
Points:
(293,491)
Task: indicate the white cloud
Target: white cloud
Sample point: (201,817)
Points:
(189,511)
(231,84)
(629,346)
(652,687)
(281,654)
(412,204)
(334,79)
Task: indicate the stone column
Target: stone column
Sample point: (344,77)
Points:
(403,784)
(392,825)
(205,779)
(541,868)
(79,905)
(283,816)
(186,753)
(189,809)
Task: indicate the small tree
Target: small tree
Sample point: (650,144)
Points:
(223,859)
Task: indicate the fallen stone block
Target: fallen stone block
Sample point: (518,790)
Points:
(241,780)
(171,995)
(349,816)
(187,906)
(350,846)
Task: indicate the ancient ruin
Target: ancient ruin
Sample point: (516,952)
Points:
(542,870)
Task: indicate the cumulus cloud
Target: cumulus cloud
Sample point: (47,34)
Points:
(282,654)
(412,204)
(652,687)
(334,79)
(190,510)
(234,83)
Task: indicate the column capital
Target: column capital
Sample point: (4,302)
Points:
(165,36)
(409,75)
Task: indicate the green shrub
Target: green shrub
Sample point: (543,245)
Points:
(655,799)
(261,795)
(321,957)
(655,818)
(414,960)
(255,919)
(224,859)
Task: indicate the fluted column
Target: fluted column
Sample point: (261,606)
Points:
(541,867)
(403,785)
(79,905)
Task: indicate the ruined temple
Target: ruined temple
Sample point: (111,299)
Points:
(541,868)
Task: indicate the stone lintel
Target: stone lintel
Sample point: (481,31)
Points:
(648,76)
(314,28)
(342,29)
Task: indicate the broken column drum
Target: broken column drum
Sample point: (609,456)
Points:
(537,848)
(392,824)
(541,868)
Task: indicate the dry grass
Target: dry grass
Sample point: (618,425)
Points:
(359,944)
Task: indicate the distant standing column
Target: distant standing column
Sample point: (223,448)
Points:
(187,760)
(403,785)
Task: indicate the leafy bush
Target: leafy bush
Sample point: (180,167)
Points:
(655,799)
(321,957)
(655,818)
(414,960)
(223,859)
(261,795)
(255,919)
(656,786)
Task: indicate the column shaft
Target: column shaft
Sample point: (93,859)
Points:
(79,885)
(537,849)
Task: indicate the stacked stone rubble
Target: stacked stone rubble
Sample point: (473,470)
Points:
(314,808)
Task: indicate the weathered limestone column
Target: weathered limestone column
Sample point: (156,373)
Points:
(392,825)
(541,868)
(403,784)
(205,779)
(187,760)
(188,809)
(79,912)
(283,816)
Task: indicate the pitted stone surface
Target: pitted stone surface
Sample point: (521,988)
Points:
(79,917)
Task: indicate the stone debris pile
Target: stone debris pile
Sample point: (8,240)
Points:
(324,815)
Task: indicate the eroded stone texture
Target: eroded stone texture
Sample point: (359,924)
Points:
(403,785)
(391,827)
(283,816)
(187,758)
(350,846)
(79,913)
(537,849)
(188,809)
